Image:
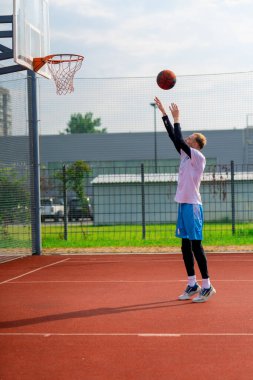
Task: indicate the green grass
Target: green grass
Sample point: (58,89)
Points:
(122,236)
(13,236)
(127,236)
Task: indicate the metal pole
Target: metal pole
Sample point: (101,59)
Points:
(34,162)
(249,116)
(233,196)
(155,135)
(65,203)
(143,221)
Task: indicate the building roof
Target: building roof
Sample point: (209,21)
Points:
(167,177)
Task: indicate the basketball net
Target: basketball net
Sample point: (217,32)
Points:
(62,68)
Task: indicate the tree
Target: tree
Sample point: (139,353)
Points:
(83,124)
(76,174)
(74,179)
(14,197)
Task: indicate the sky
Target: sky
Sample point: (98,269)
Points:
(141,37)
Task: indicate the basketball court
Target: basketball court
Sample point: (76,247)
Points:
(118,317)
(109,316)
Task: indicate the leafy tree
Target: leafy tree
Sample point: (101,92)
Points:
(75,176)
(14,197)
(83,124)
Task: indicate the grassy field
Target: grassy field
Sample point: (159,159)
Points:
(122,236)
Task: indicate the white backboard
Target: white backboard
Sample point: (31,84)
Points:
(31,37)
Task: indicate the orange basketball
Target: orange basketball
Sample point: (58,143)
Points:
(166,79)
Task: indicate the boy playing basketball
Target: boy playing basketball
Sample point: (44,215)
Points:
(190,212)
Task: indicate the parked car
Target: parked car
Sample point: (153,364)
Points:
(52,208)
(77,210)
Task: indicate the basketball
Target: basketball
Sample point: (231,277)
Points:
(166,79)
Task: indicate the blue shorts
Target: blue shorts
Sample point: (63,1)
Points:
(190,221)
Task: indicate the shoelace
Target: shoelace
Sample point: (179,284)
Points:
(189,289)
(204,291)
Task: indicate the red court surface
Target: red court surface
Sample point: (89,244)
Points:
(116,317)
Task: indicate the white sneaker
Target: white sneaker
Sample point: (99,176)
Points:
(189,291)
(204,295)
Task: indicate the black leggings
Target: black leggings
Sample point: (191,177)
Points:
(191,249)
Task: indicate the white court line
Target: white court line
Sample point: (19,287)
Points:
(142,335)
(157,261)
(194,334)
(6,259)
(32,271)
(117,281)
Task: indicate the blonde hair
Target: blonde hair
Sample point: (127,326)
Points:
(201,139)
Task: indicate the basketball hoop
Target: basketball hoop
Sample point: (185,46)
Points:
(62,68)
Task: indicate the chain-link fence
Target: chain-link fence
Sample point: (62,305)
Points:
(133,203)
(123,202)
(15,189)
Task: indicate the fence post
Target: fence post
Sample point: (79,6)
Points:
(65,202)
(34,162)
(233,196)
(143,203)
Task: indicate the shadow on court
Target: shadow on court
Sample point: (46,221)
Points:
(92,313)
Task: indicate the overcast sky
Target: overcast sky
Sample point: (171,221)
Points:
(141,37)
(136,39)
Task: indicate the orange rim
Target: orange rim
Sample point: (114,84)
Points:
(39,62)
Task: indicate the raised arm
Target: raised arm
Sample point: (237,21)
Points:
(167,123)
(177,130)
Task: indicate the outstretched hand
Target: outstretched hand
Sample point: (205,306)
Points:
(173,109)
(160,105)
(174,112)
